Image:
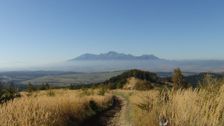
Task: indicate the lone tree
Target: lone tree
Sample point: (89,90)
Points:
(12,90)
(30,87)
(177,79)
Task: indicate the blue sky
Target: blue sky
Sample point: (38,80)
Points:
(36,32)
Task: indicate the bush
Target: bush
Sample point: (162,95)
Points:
(178,79)
(93,105)
(102,91)
(9,93)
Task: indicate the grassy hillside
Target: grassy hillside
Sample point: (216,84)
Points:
(190,107)
(201,106)
(122,79)
(137,84)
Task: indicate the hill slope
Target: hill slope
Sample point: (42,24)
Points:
(137,75)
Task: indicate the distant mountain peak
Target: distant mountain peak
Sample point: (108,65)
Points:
(112,52)
(112,55)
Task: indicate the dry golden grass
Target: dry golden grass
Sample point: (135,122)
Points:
(191,107)
(135,83)
(54,108)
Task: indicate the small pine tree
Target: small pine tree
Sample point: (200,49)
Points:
(72,86)
(30,87)
(12,89)
(47,86)
(177,79)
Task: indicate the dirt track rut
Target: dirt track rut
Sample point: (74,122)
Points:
(106,118)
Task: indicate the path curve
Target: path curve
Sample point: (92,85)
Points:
(106,118)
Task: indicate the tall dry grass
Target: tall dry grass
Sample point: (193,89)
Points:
(63,108)
(190,107)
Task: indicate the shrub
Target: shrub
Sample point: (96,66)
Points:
(93,105)
(102,91)
(177,79)
(85,92)
(9,93)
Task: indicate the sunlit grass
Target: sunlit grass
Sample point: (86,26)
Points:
(190,107)
(42,109)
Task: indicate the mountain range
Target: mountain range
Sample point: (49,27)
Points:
(114,56)
(114,61)
(88,68)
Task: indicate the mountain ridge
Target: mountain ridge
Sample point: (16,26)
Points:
(112,55)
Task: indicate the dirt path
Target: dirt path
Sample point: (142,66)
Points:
(120,118)
(108,117)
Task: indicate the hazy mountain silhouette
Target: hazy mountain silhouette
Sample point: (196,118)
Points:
(114,56)
(119,61)
(114,61)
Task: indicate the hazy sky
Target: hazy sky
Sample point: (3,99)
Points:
(47,31)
